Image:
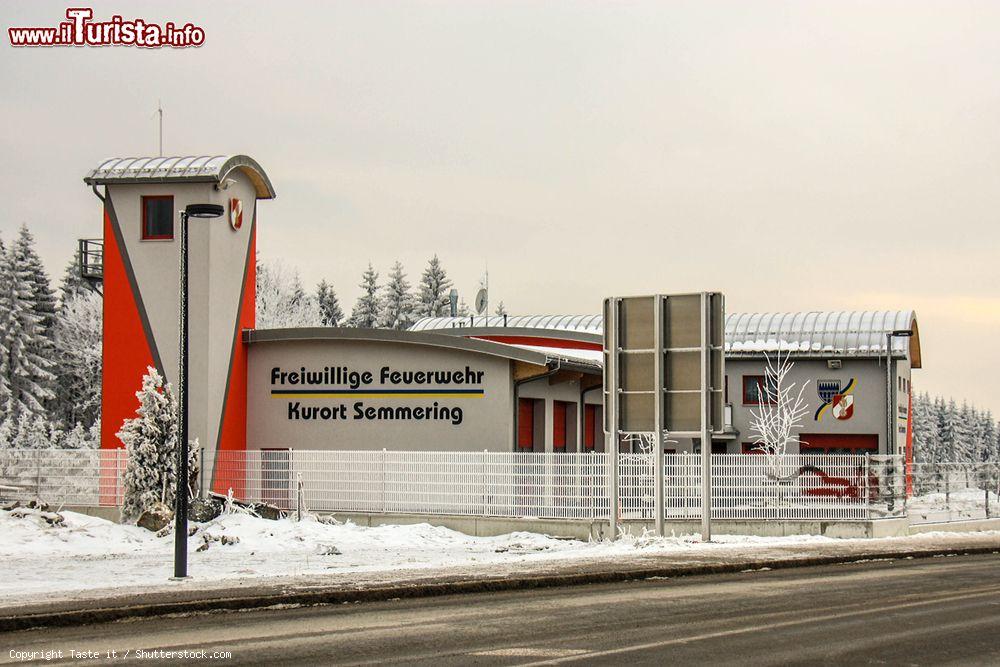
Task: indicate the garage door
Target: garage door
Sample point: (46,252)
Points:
(838,443)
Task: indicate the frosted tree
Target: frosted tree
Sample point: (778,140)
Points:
(77,343)
(501,309)
(434,298)
(781,410)
(329,306)
(463,308)
(927,446)
(150,439)
(281,301)
(397,301)
(26,379)
(989,437)
(72,284)
(369,305)
(29,431)
(44,300)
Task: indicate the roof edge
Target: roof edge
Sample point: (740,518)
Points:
(252,336)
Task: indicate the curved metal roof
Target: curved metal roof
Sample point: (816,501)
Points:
(190,169)
(577,323)
(817,333)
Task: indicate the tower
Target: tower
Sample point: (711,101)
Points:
(142,199)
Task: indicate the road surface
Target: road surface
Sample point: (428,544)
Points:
(917,612)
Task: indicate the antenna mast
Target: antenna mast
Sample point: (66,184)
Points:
(159,110)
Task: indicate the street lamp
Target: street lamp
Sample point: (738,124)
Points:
(890,431)
(181,499)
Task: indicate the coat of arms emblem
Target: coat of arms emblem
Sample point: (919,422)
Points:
(235,213)
(835,397)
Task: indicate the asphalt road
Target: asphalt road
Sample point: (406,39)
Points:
(920,612)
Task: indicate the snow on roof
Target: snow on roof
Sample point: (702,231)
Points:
(821,333)
(190,168)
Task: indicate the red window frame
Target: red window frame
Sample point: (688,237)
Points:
(142,222)
(759,381)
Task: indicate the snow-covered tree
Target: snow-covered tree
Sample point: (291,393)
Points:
(151,441)
(77,343)
(281,300)
(329,306)
(433,299)
(501,310)
(28,431)
(775,421)
(463,308)
(26,379)
(43,298)
(369,305)
(72,284)
(927,447)
(397,301)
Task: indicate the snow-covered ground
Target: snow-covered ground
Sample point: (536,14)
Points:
(960,503)
(88,553)
(43,561)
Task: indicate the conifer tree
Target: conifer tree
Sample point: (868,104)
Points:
(501,309)
(151,441)
(397,301)
(72,284)
(41,290)
(368,306)
(329,306)
(25,351)
(434,299)
(77,338)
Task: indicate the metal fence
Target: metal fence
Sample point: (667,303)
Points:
(953,492)
(563,486)
(85,477)
(748,486)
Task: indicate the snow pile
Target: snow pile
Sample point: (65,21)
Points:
(84,552)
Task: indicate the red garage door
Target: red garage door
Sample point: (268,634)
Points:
(526,424)
(559,413)
(833,443)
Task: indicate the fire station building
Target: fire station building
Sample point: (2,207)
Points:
(456,384)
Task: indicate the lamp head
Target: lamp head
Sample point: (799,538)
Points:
(204,210)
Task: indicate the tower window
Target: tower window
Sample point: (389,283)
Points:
(158,218)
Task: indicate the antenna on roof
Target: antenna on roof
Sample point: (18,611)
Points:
(159,110)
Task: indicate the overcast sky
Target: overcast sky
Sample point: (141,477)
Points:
(797,156)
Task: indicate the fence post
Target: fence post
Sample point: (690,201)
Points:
(201,473)
(382,472)
(482,470)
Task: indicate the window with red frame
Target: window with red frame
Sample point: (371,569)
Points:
(158,218)
(754,392)
(560,412)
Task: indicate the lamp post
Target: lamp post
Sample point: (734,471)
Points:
(890,431)
(181,499)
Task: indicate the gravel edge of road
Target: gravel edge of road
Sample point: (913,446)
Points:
(274,595)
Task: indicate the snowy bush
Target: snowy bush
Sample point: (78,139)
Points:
(151,441)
